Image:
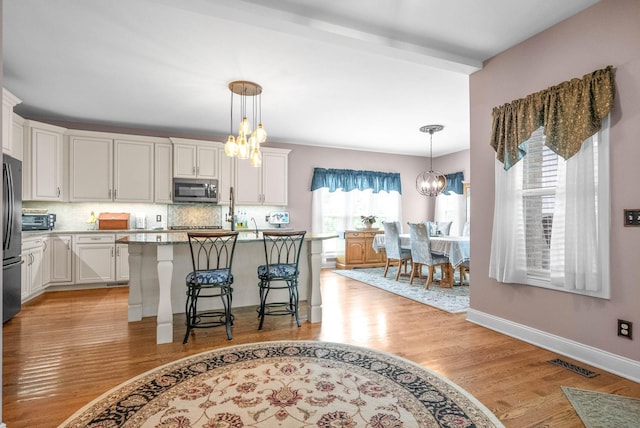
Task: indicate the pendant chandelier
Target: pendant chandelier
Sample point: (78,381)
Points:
(431,183)
(250,133)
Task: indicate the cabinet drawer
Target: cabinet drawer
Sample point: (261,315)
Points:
(98,238)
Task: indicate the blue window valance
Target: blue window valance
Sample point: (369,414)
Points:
(348,180)
(454,183)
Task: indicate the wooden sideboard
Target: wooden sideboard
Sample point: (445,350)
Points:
(358,250)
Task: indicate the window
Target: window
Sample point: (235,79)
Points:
(551,218)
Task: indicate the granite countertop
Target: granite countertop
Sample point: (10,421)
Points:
(27,233)
(163,238)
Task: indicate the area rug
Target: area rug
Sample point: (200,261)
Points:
(454,300)
(287,384)
(597,409)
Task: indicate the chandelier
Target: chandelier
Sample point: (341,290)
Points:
(250,133)
(431,183)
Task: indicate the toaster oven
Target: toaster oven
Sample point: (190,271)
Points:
(38,221)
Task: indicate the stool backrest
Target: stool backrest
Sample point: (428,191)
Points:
(212,250)
(283,247)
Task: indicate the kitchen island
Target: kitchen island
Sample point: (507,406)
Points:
(159,263)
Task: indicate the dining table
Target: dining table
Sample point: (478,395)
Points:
(456,248)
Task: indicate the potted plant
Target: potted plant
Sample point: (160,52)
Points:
(367,221)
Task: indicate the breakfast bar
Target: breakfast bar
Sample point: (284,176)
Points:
(159,263)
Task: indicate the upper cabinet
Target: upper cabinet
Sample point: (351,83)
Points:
(195,158)
(111,169)
(43,162)
(163,170)
(8,102)
(266,185)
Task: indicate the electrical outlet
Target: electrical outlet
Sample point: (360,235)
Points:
(266,218)
(624,328)
(158,218)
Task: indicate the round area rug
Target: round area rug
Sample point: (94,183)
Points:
(286,384)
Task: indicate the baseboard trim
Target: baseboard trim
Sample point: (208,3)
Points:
(595,357)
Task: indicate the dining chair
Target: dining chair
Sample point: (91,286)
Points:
(395,253)
(211,277)
(280,271)
(421,254)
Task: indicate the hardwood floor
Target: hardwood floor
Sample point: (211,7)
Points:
(67,348)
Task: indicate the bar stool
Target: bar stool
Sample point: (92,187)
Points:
(282,253)
(211,277)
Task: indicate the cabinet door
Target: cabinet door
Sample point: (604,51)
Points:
(163,173)
(133,173)
(184,160)
(247,183)
(61,257)
(275,178)
(354,251)
(95,263)
(37,258)
(207,166)
(46,164)
(91,169)
(225,177)
(370,255)
(46,261)
(25,275)
(122,262)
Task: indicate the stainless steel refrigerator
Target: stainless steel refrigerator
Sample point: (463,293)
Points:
(11,236)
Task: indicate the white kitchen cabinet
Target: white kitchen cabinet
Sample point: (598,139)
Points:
(61,257)
(122,262)
(195,158)
(94,258)
(44,162)
(91,169)
(32,276)
(225,176)
(8,102)
(163,172)
(111,169)
(266,185)
(18,136)
(133,173)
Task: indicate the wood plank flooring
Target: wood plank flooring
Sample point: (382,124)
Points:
(67,348)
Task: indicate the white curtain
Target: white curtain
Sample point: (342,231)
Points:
(337,211)
(579,248)
(451,207)
(508,262)
(579,258)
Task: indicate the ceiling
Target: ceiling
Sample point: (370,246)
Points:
(359,74)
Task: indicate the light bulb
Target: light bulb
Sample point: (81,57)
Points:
(253,141)
(231,148)
(261,134)
(243,148)
(245,126)
(256,158)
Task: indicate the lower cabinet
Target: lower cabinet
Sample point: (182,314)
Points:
(32,276)
(95,258)
(60,259)
(122,260)
(358,250)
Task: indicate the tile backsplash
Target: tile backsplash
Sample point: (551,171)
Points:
(74,216)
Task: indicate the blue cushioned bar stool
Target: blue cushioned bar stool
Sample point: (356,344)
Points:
(211,277)
(282,252)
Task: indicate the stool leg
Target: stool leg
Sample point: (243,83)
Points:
(264,291)
(293,293)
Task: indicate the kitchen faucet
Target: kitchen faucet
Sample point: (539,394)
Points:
(230,215)
(255,224)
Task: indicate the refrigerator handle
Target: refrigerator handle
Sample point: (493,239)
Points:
(8,201)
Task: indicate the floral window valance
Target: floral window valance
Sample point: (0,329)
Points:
(570,112)
(348,180)
(454,183)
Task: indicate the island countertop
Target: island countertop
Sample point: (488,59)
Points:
(182,238)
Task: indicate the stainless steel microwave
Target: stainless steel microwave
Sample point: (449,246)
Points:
(195,190)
